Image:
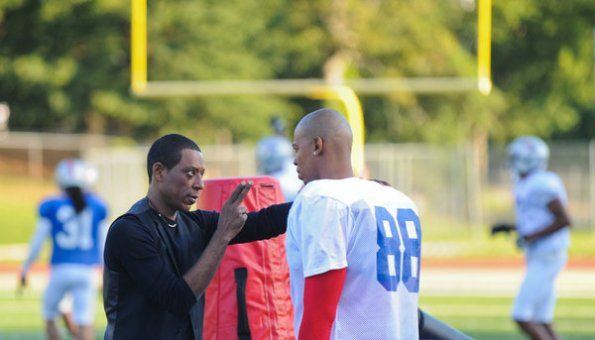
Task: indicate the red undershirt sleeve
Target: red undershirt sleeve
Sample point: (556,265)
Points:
(321,298)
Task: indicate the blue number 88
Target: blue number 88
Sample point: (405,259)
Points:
(398,258)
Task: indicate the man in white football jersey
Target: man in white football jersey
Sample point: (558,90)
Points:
(275,158)
(353,245)
(542,224)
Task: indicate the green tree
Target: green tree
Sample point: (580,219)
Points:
(55,56)
(543,62)
(395,39)
(64,65)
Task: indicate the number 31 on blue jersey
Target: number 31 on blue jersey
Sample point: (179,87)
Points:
(398,258)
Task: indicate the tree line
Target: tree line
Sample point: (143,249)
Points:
(64,65)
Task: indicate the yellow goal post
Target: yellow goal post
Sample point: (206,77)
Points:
(345,92)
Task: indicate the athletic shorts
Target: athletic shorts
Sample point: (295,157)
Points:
(78,281)
(536,299)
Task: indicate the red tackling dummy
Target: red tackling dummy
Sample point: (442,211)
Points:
(254,274)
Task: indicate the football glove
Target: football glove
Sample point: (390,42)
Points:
(502,228)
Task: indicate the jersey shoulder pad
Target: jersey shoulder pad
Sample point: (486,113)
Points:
(49,205)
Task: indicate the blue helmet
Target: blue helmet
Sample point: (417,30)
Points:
(272,154)
(527,154)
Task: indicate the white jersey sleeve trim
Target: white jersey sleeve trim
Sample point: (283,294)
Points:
(42,231)
(329,267)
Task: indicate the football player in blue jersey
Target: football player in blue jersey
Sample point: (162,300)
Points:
(542,225)
(274,155)
(75,222)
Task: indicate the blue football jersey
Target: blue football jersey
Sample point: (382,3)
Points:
(75,238)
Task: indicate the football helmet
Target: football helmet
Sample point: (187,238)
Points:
(527,154)
(74,172)
(272,154)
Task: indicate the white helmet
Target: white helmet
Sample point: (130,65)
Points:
(74,172)
(272,154)
(527,154)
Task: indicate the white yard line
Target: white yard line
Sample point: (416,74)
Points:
(14,252)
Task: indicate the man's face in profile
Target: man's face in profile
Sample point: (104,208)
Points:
(304,159)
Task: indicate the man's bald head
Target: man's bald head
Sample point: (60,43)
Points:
(322,145)
(329,125)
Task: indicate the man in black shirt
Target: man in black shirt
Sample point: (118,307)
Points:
(160,257)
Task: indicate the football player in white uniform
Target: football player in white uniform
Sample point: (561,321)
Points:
(275,158)
(75,222)
(353,245)
(542,224)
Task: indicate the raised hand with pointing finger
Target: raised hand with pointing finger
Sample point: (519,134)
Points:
(233,214)
(231,221)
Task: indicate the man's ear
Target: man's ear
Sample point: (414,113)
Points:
(158,171)
(318,145)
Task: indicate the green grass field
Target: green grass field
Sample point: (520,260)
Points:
(19,197)
(487,317)
(479,317)
(21,316)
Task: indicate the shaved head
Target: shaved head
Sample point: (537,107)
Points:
(329,125)
(322,142)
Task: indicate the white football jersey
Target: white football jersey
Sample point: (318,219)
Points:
(374,232)
(532,195)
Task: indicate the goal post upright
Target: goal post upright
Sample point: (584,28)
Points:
(138,46)
(355,116)
(484,46)
(142,87)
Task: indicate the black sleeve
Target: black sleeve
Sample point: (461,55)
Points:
(131,250)
(264,224)
(205,224)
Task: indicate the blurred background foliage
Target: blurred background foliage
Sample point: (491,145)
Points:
(64,65)
(65,68)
